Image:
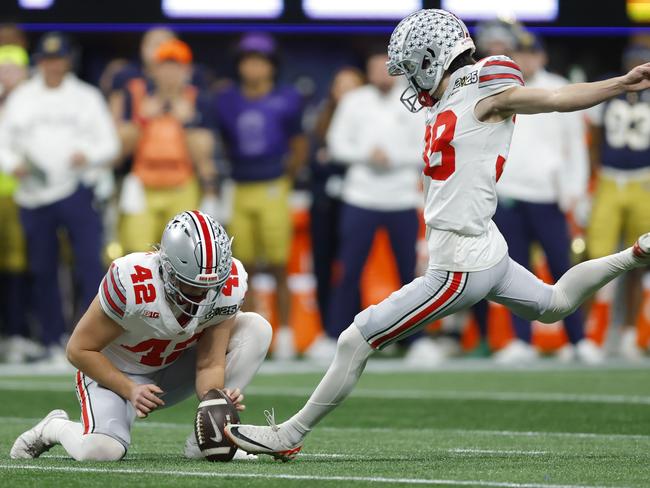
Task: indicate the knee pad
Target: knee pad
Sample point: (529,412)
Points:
(351,339)
(100,447)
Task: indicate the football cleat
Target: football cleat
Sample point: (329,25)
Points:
(516,353)
(641,248)
(31,444)
(588,352)
(269,439)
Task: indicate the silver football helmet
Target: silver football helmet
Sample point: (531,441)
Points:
(422,47)
(194,250)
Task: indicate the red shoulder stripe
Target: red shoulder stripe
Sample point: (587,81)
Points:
(107,296)
(484,78)
(115,287)
(507,64)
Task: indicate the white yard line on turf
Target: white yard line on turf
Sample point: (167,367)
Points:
(148,424)
(496,451)
(503,396)
(375,365)
(290,477)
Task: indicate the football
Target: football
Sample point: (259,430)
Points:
(215,410)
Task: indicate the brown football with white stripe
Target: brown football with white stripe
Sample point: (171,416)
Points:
(214,412)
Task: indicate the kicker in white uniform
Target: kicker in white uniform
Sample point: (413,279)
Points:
(472,108)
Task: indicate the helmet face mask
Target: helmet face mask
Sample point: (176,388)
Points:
(194,252)
(421,48)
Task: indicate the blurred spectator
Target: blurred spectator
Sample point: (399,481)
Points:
(55,129)
(260,123)
(620,153)
(168,122)
(496,37)
(326,184)
(119,73)
(541,182)
(117,81)
(382,144)
(11,34)
(14,285)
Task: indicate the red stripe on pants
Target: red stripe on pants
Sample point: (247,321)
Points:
(84,402)
(442,300)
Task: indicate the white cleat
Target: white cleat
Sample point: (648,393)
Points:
(629,347)
(283,345)
(31,444)
(426,353)
(263,440)
(323,349)
(641,248)
(588,352)
(192,451)
(566,354)
(516,353)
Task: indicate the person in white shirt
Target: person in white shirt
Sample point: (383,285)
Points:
(547,173)
(382,145)
(56,136)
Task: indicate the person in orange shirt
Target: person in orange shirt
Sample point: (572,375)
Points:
(168,123)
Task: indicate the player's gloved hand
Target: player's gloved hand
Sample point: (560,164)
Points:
(237,398)
(145,400)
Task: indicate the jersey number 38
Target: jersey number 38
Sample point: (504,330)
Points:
(439,139)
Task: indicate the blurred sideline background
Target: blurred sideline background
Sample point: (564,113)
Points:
(306,43)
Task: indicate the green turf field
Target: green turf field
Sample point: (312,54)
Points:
(479,427)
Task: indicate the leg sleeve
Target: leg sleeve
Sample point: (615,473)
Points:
(352,353)
(88,447)
(526,295)
(520,290)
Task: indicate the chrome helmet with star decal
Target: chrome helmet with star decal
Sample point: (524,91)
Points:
(421,48)
(195,254)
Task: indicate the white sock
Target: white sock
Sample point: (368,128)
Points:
(352,352)
(583,280)
(88,447)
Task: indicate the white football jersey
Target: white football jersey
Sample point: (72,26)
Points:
(464,159)
(132,294)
